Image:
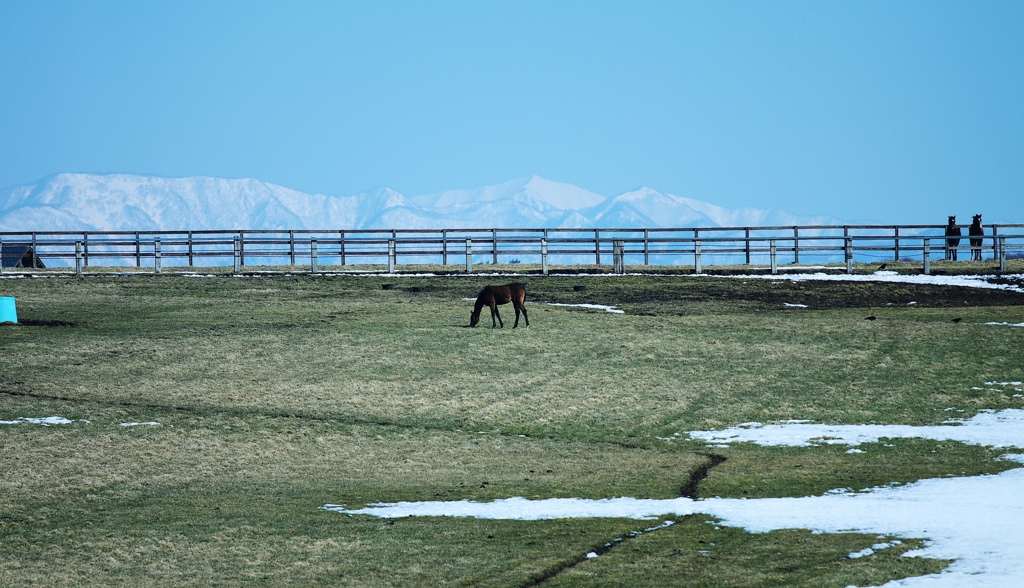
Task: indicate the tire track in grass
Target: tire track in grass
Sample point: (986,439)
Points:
(688,490)
(343,419)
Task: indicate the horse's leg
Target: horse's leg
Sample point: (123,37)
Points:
(521,307)
(496,314)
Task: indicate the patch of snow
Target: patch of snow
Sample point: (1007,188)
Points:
(969,281)
(794,305)
(593,306)
(998,429)
(975,521)
(45,421)
(873,549)
(137,424)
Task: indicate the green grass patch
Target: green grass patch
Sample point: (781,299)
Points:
(278,394)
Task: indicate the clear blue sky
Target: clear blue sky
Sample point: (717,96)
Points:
(887,111)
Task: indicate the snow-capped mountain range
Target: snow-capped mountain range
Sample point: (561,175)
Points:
(110,202)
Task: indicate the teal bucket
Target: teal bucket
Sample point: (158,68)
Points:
(8,312)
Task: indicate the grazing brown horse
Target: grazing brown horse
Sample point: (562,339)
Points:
(951,244)
(492,296)
(976,230)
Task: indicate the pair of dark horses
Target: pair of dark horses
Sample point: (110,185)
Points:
(493,296)
(975,230)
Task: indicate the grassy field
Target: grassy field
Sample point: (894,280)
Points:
(278,394)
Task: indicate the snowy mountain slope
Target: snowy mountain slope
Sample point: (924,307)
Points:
(97,202)
(535,192)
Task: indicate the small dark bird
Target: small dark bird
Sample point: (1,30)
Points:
(956,320)
(869,318)
(881,267)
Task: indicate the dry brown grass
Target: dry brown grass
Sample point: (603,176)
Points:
(287,393)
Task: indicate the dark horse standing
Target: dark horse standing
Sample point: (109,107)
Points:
(951,244)
(492,296)
(976,230)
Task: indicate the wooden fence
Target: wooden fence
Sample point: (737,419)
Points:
(697,247)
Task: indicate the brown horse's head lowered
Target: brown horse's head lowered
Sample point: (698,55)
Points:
(492,296)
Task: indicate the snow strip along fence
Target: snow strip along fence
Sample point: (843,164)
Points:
(679,246)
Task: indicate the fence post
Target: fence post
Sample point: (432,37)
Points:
(138,251)
(392,255)
(291,247)
(696,257)
(796,244)
(190,261)
(996,246)
(647,234)
(928,256)
(896,244)
(241,247)
(444,246)
(544,255)
(597,247)
(848,247)
(78,258)
(1002,253)
(85,248)
(469,255)
(157,259)
(494,246)
(238,255)
(618,257)
(1,255)
(746,247)
(773,255)
(314,257)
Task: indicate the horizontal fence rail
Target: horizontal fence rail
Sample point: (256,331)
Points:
(697,247)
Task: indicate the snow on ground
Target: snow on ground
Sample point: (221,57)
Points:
(997,429)
(56,420)
(593,306)
(970,281)
(45,421)
(976,521)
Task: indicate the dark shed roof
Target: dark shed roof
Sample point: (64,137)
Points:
(19,255)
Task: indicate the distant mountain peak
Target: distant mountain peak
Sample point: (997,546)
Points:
(560,195)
